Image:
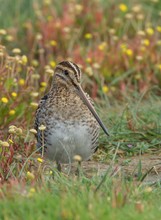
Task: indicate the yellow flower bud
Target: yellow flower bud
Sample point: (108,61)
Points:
(4,100)
(24,59)
(30,175)
(40,160)
(12,112)
(88,36)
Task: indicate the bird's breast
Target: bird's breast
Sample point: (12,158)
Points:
(67,139)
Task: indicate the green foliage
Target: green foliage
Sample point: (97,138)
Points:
(68,198)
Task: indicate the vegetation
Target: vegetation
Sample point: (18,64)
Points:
(117,45)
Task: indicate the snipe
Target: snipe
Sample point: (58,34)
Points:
(66,114)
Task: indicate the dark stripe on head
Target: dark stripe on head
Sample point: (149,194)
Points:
(71,66)
(77,68)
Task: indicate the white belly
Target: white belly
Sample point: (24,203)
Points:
(66,141)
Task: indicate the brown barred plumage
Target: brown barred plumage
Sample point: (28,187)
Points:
(70,120)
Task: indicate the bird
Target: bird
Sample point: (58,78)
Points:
(66,121)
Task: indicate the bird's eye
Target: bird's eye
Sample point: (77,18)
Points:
(66,72)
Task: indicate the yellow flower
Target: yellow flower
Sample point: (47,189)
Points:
(53,43)
(123,7)
(88,60)
(142,48)
(43,84)
(158,28)
(14,94)
(12,112)
(105,89)
(49,18)
(42,89)
(102,46)
(52,64)
(31,192)
(35,63)
(129,52)
(40,160)
(146,42)
(47,2)
(30,175)
(123,47)
(10,141)
(88,36)
(159,66)
(150,31)
(159,43)
(19,69)
(24,59)
(4,100)
(78,8)
(21,82)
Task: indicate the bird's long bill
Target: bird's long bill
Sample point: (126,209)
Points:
(90,107)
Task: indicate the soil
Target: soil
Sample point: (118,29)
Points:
(146,168)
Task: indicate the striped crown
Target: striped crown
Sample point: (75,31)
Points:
(70,67)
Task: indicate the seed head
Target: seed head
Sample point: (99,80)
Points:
(33,131)
(77,158)
(42,127)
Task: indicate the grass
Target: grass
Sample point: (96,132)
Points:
(120,62)
(134,121)
(68,198)
(109,194)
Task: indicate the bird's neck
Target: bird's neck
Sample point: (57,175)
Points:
(60,90)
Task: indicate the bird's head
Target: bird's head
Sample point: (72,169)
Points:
(67,74)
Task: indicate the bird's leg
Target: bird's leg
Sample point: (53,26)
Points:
(58,166)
